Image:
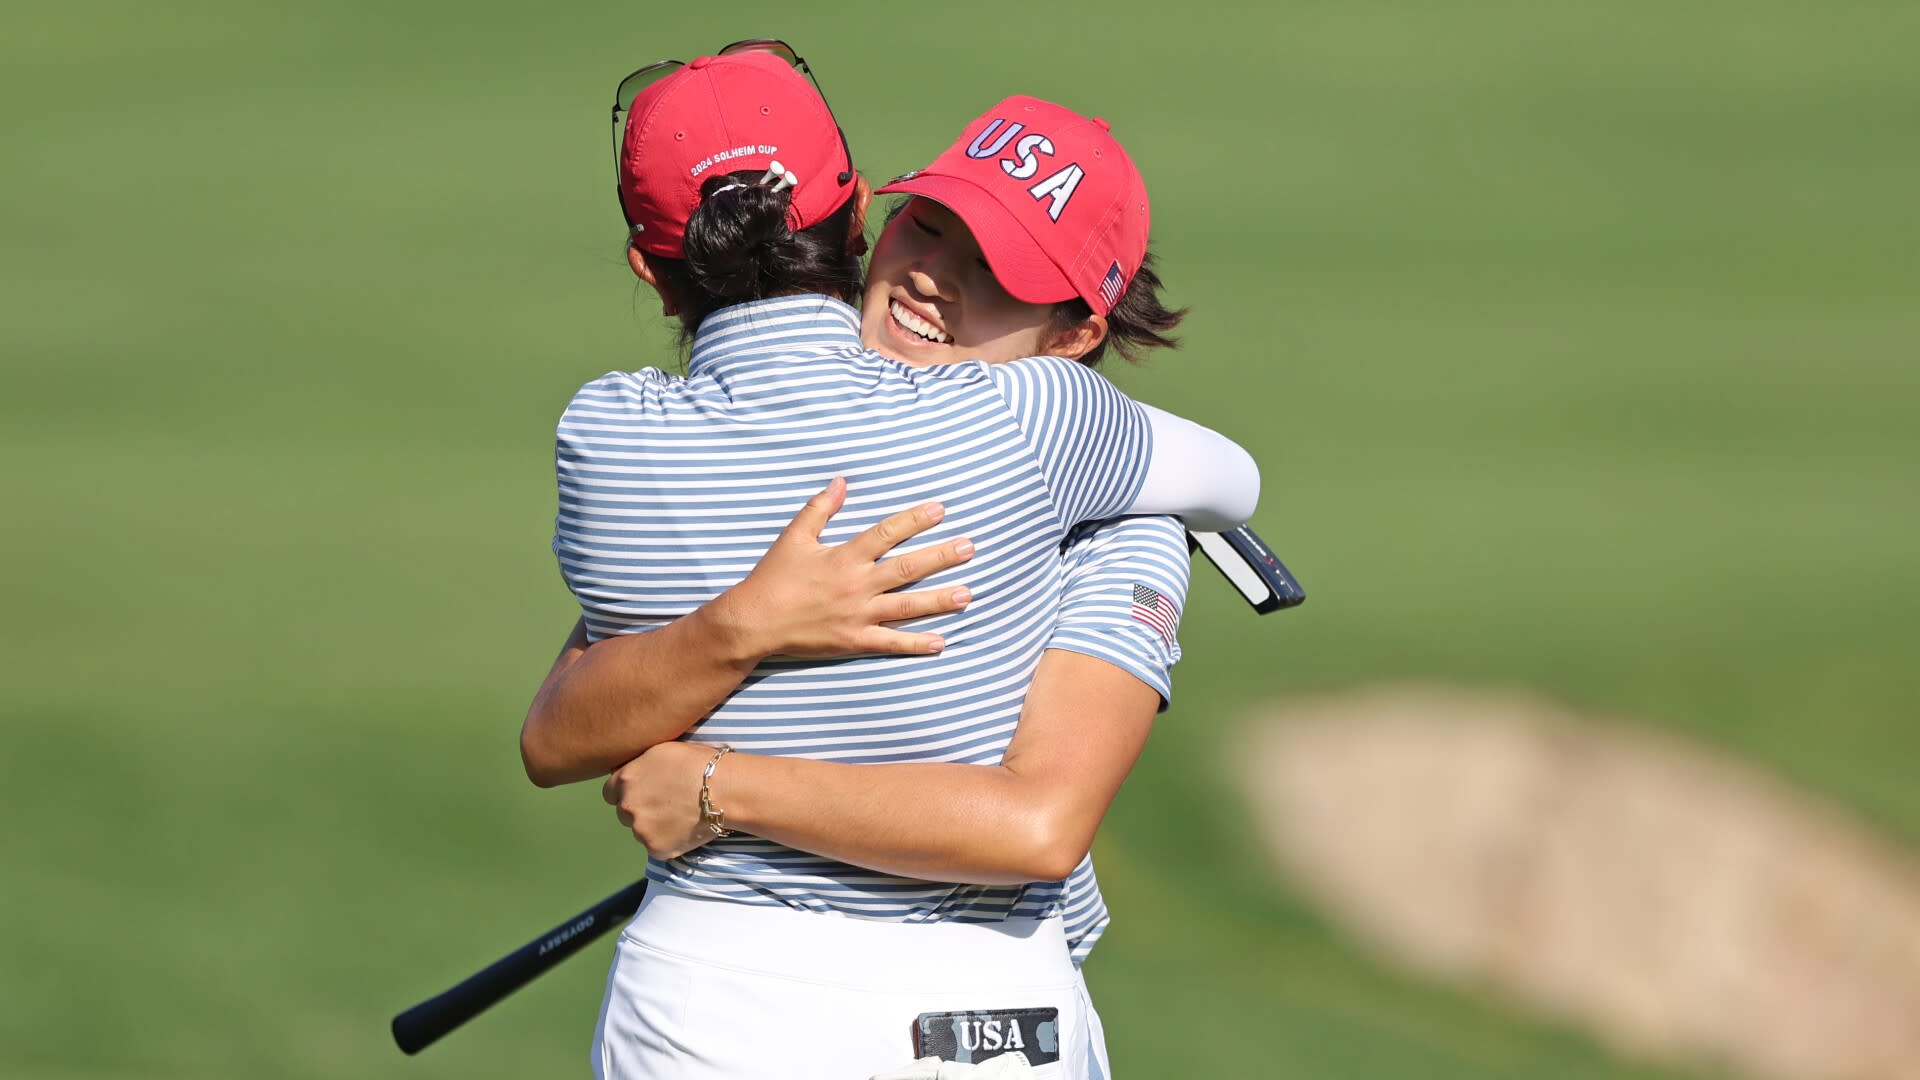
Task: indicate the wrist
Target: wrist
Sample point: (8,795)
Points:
(712,813)
(731,787)
(732,634)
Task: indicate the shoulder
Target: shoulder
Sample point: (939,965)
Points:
(1126,582)
(1048,390)
(1158,533)
(623,392)
(1156,544)
(615,384)
(968,380)
(1057,370)
(977,372)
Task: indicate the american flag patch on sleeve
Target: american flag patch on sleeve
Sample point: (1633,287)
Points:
(1113,285)
(1156,611)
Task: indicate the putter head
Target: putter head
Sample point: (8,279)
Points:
(1251,567)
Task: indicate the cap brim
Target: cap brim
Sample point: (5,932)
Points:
(1015,258)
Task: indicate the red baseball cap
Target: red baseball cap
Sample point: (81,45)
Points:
(722,114)
(1051,196)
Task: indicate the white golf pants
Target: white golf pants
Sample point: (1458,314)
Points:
(706,989)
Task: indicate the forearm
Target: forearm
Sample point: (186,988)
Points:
(605,705)
(975,824)
(1030,818)
(1198,475)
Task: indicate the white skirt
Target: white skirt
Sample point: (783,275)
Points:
(705,989)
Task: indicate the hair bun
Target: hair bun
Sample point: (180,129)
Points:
(738,243)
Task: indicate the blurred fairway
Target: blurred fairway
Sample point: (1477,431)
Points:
(1581,347)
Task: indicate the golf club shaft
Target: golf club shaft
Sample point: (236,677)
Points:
(420,1026)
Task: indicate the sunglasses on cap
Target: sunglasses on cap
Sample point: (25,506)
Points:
(638,80)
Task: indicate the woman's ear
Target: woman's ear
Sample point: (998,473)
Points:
(1077,340)
(857,228)
(637,259)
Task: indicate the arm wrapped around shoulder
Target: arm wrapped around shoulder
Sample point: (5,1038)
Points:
(1096,445)
(1198,475)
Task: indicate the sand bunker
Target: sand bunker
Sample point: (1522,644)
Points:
(1677,906)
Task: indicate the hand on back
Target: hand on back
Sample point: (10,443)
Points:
(805,598)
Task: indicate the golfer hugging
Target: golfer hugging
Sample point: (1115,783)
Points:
(878,600)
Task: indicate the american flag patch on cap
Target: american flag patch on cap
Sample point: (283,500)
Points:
(1156,611)
(1113,285)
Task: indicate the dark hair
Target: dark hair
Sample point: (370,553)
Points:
(739,248)
(1137,323)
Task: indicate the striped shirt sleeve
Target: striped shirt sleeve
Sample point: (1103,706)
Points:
(1126,583)
(597,419)
(1092,441)
(1083,910)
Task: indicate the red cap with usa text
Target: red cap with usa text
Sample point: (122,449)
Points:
(723,114)
(1052,198)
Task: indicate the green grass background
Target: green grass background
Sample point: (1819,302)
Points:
(1580,345)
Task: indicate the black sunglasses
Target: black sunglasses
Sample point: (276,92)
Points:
(631,86)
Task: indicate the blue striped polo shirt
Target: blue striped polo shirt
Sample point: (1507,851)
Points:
(1105,563)
(671,488)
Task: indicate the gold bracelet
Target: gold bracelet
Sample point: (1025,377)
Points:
(709,813)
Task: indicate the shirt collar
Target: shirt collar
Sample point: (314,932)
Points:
(808,324)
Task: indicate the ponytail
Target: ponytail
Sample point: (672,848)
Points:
(739,247)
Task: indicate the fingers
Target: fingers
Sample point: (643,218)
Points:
(897,607)
(814,516)
(610,791)
(879,639)
(882,538)
(925,562)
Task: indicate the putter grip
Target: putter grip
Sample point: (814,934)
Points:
(423,1025)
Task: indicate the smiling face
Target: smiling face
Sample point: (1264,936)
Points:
(931,298)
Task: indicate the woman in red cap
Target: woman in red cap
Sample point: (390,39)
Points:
(670,488)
